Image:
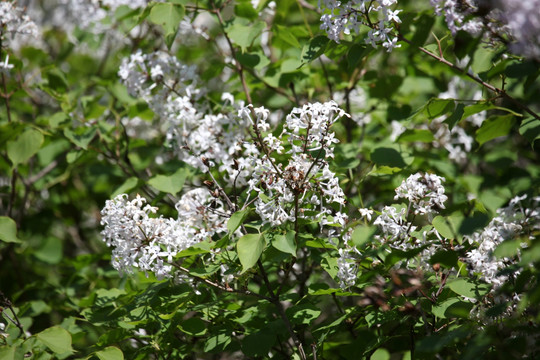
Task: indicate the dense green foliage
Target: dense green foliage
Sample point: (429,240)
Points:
(66,148)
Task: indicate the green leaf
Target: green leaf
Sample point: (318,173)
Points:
(57,339)
(392,156)
(468,288)
(413,135)
(50,251)
(380,354)
(446,258)
(7,352)
(494,127)
(8,230)
(110,353)
(285,243)
(303,314)
(438,107)
(508,248)
(443,227)
(355,54)
(193,326)
(57,80)
(249,248)
(126,187)
(453,307)
(24,147)
(168,16)
(171,184)
(217,343)
(363,235)
(530,129)
(456,116)
(287,36)
(237,219)
(314,48)
(245,35)
(258,344)
(81,136)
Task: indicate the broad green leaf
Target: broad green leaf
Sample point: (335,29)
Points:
(285,243)
(193,326)
(126,187)
(363,235)
(392,156)
(25,146)
(303,314)
(217,343)
(245,35)
(244,8)
(57,339)
(446,258)
(494,127)
(258,344)
(57,80)
(380,354)
(508,248)
(110,353)
(81,136)
(237,219)
(530,129)
(256,60)
(8,230)
(286,35)
(314,48)
(50,251)
(413,135)
(443,227)
(7,352)
(171,184)
(249,248)
(355,54)
(168,16)
(456,116)
(438,107)
(468,288)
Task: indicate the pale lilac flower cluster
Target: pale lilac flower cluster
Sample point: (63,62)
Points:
(171,90)
(347,269)
(150,243)
(514,19)
(14,22)
(348,16)
(425,196)
(512,221)
(424,192)
(522,18)
(305,178)
(458,15)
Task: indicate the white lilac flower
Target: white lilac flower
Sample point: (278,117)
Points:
(170,88)
(394,224)
(346,269)
(424,192)
(305,177)
(347,17)
(510,222)
(149,243)
(14,22)
(457,15)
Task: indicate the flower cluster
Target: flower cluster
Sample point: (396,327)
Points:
(517,21)
(457,15)
(424,192)
(351,15)
(150,243)
(522,19)
(512,221)
(14,21)
(170,90)
(303,186)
